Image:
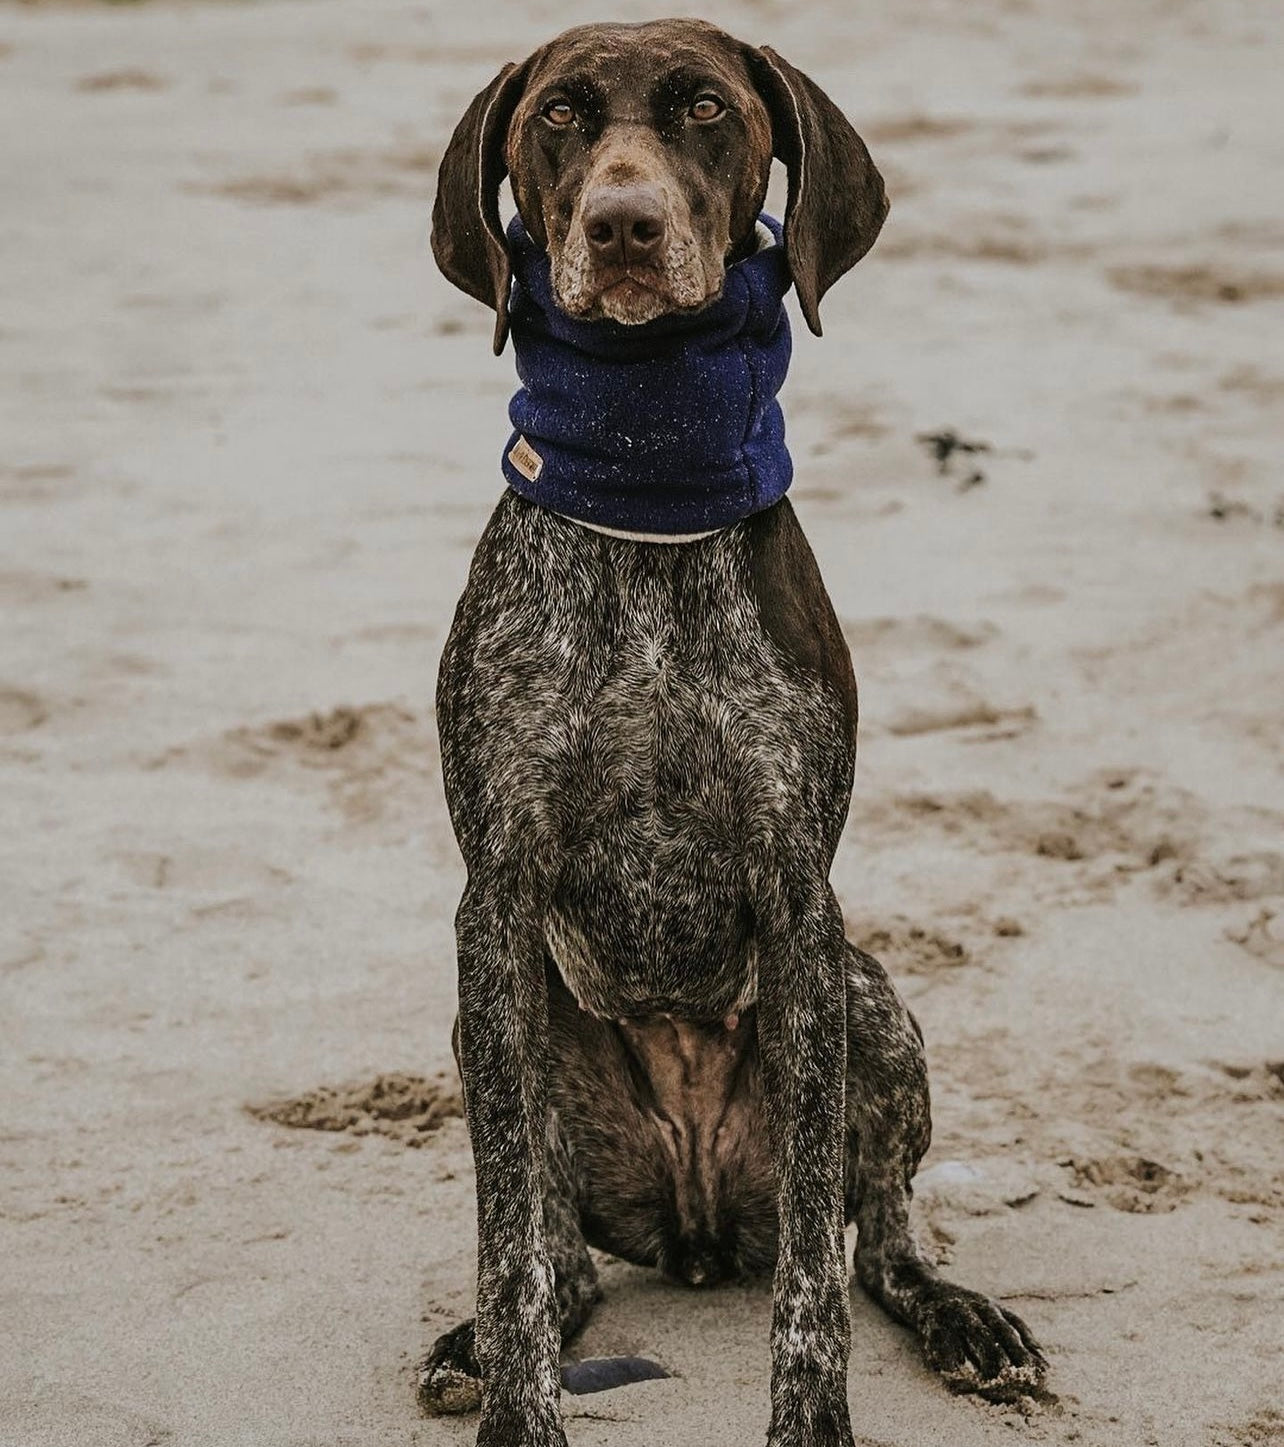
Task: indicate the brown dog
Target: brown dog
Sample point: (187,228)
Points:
(669,1049)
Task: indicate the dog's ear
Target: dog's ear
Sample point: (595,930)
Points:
(467,234)
(837,203)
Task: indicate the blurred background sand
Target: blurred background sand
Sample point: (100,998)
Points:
(248,437)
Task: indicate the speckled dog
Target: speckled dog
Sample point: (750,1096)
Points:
(669,1049)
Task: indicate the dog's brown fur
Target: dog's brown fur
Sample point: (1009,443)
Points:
(669,1049)
(630,88)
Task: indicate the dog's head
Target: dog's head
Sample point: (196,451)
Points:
(639,157)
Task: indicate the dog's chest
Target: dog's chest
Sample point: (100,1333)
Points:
(676,768)
(684,721)
(619,714)
(674,725)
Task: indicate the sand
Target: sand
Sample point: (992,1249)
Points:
(248,438)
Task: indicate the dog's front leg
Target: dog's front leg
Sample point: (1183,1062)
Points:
(503,1012)
(801,1027)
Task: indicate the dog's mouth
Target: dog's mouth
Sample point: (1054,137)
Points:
(633,287)
(635,295)
(645,280)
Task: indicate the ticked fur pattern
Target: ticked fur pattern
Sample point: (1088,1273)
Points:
(669,1049)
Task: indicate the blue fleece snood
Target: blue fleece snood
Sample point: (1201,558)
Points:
(669,427)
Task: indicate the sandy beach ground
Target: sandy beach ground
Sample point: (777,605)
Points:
(248,437)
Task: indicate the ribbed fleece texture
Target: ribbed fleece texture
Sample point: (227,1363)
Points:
(668,427)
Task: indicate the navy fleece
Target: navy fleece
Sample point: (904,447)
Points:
(668,427)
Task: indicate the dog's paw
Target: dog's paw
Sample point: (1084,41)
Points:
(979,1346)
(449,1376)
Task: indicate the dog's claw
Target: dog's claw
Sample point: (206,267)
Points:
(979,1346)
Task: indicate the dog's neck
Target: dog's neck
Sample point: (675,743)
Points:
(664,432)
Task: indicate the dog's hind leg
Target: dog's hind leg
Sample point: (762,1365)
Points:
(974,1343)
(450,1375)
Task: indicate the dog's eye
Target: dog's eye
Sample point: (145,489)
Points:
(706,107)
(558,113)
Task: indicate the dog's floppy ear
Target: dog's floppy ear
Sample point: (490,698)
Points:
(467,234)
(837,203)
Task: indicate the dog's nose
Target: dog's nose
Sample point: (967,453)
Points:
(624,224)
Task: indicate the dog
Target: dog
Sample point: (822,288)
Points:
(669,1049)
